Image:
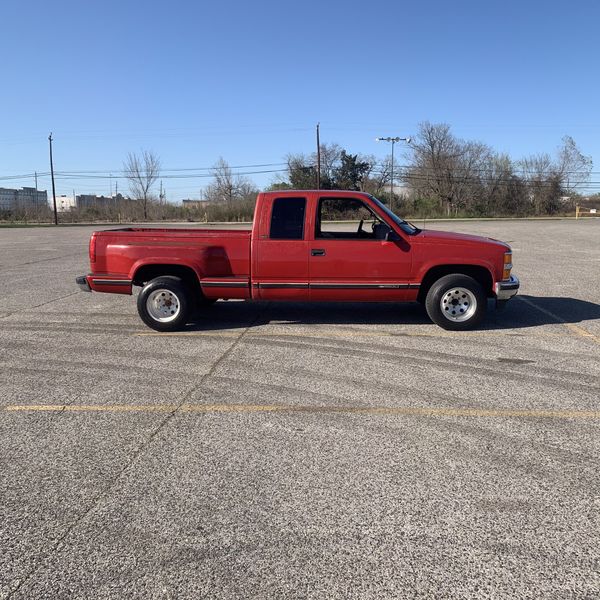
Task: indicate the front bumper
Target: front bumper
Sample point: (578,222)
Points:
(505,290)
(82,282)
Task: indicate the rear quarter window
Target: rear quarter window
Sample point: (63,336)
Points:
(287,219)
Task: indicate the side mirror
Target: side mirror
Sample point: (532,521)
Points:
(392,236)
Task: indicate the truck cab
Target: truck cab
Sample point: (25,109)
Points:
(331,246)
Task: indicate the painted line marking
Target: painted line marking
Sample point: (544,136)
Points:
(290,408)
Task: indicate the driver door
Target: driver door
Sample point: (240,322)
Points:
(349,257)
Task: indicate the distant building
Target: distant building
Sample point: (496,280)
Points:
(27,197)
(65,203)
(400,190)
(189,203)
(93,201)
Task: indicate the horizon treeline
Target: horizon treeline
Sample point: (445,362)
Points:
(436,175)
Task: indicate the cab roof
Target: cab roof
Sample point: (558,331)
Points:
(280,193)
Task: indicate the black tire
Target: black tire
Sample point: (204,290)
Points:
(463,300)
(173,290)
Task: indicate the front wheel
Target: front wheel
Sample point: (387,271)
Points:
(164,303)
(456,302)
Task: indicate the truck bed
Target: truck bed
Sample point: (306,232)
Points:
(125,255)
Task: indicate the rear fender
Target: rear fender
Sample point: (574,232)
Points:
(158,262)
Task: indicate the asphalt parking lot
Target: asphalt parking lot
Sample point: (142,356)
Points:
(300,451)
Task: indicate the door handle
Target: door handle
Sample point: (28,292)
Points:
(317,252)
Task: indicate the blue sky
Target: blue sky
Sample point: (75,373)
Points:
(248,80)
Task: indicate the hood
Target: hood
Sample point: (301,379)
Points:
(449,237)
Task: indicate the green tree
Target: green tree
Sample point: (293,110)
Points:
(302,172)
(351,173)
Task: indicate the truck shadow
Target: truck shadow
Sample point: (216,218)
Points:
(521,312)
(532,311)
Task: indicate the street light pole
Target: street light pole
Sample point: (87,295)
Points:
(393,140)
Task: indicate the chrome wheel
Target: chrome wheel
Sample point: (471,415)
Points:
(163,305)
(458,304)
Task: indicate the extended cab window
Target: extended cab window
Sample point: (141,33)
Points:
(348,219)
(287,219)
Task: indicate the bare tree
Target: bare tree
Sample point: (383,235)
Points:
(371,175)
(330,158)
(378,176)
(142,172)
(460,175)
(440,165)
(549,180)
(573,167)
(227,186)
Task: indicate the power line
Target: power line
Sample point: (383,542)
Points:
(108,172)
(408,173)
(181,169)
(63,175)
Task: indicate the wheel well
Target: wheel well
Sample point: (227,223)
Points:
(480,274)
(187,274)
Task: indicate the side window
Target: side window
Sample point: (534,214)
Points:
(287,219)
(348,218)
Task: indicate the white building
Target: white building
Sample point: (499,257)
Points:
(65,203)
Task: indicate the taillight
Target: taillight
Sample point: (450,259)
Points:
(507,265)
(93,248)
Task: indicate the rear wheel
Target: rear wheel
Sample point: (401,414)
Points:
(164,303)
(456,302)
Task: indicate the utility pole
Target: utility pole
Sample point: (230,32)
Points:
(393,140)
(161,196)
(318,159)
(53,187)
(35,200)
(117,199)
(392,179)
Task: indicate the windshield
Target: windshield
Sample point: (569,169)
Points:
(404,225)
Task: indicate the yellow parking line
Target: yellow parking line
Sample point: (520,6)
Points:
(92,407)
(576,329)
(291,408)
(580,331)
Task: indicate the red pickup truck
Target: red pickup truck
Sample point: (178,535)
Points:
(318,246)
